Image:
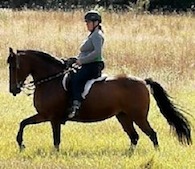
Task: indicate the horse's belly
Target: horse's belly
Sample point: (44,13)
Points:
(95,111)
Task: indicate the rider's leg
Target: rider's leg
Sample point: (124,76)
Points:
(87,72)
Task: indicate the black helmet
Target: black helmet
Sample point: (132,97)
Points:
(93,16)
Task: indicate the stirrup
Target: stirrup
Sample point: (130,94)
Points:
(74,112)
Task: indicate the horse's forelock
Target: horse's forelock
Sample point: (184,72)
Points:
(10,57)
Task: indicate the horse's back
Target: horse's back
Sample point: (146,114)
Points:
(120,94)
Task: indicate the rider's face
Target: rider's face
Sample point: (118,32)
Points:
(91,25)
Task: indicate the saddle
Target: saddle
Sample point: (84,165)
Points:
(69,65)
(66,81)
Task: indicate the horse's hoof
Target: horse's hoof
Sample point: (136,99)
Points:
(57,148)
(128,152)
(22,147)
(132,148)
(157,148)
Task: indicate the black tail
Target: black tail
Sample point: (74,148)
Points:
(175,119)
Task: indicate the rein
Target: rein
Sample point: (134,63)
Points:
(32,84)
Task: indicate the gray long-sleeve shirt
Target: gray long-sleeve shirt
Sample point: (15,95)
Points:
(91,49)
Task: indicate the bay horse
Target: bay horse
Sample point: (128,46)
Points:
(127,98)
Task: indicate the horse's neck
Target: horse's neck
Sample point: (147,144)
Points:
(41,69)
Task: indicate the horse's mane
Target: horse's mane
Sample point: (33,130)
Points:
(129,77)
(42,55)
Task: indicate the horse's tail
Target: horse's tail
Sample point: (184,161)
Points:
(176,120)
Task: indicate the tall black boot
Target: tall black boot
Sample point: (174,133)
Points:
(74,109)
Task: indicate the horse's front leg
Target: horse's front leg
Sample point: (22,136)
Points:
(56,128)
(31,120)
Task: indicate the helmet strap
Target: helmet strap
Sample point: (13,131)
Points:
(94,27)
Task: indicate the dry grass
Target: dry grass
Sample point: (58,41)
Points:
(158,46)
(143,45)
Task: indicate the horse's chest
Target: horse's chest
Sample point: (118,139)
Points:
(50,100)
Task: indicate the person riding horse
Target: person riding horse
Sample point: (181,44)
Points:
(90,59)
(125,97)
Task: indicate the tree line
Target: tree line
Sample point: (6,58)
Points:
(150,5)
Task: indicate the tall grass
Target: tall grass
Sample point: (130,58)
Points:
(158,46)
(146,45)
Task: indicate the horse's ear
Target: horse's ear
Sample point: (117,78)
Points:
(11,55)
(11,51)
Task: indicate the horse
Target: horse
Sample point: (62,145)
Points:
(126,98)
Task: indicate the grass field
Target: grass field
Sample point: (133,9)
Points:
(157,46)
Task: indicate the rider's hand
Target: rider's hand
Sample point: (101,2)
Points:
(78,62)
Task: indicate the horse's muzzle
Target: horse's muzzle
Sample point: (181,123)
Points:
(15,91)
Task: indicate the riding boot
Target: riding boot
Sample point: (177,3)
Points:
(74,109)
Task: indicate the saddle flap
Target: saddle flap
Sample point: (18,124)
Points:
(88,84)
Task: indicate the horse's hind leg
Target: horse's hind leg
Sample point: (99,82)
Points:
(31,120)
(147,129)
(127,124)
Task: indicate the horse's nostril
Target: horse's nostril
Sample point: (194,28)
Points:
(15,90)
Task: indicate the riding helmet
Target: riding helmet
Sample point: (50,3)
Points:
(93,16)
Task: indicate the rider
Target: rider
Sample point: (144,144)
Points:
(90,59)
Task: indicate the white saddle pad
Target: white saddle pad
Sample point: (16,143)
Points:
(88,84)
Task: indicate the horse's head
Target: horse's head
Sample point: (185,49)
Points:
(17,72)
(39,64)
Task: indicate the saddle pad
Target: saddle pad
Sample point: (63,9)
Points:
(88,84)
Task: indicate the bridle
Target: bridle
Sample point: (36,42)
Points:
(30,86)
(19,84)
(34,83)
